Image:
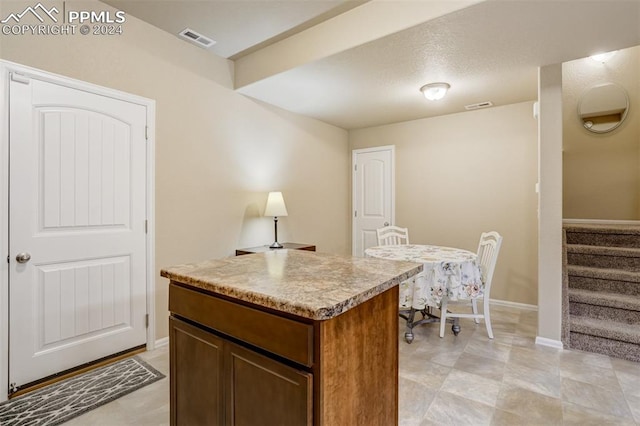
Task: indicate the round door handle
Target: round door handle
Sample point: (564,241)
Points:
(386,224)
(23,257)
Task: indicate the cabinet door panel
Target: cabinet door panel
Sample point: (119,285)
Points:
(197,396)
(265,392)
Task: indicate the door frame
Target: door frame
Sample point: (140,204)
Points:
(354,155)
(6,68)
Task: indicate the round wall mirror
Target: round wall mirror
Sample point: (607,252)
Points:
(603,108)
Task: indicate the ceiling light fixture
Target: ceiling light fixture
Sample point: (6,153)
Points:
(435,91)
(603,57)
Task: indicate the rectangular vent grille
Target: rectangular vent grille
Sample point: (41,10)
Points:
(194,36)
(479,105)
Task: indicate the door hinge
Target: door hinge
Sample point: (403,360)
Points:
(146,321)
(146,133)
(355,213)
(18,78)
(8,258)
(355,167)
(146,226)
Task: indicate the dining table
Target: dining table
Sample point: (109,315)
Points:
(448,272)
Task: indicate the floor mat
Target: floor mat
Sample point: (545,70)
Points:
(69,398)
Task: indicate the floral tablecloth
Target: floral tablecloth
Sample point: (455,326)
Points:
(446,269)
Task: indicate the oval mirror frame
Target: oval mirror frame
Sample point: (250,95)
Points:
(603,108)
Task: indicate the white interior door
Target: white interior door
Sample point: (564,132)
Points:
(373,195)
(77,207)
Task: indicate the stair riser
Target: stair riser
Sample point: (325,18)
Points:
(608,286)
(614,348)
(609,262)
(611,240)
(605,313)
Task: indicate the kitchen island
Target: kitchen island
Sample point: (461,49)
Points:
(286,337)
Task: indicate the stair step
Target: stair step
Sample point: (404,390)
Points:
(622,258)
(603,280)
(608,329)
(603,229)
(611,300)
(603,250)
(603,273)
(604,235)
(601,345)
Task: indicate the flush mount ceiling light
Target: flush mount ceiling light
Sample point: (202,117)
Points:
(435,91)
(603,57)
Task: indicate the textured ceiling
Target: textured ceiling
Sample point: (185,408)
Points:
(489,51)
(237,26)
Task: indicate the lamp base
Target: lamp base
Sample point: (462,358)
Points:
(276,245)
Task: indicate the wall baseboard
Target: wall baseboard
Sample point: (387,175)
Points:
(162,342)
(543,341)
(513,304)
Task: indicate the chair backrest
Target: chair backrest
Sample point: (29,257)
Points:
(488,250)
(392,236)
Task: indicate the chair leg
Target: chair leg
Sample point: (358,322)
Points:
(443,315)
(474,309)
(487,317)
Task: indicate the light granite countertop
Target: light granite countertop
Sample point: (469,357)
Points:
(312,285)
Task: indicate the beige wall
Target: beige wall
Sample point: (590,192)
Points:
(461,174)
(601,171)
(217,153)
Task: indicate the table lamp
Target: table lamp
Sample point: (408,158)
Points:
(276,208)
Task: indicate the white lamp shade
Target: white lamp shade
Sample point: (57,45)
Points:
(275,205)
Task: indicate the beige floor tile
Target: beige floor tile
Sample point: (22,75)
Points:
(585,358)
(450,409)
(473,387)
(504,418)
(634,404)
(530,405)
(426,373)
(578,415)
(603,377)
(630,383)
(489,349)
(485,367)
(626,366)
(538,357)
(532,379)
(415,401)
(596,398)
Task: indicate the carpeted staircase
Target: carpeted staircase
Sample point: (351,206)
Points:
(602,288)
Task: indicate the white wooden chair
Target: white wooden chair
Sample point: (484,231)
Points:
(488,250)
(392,236)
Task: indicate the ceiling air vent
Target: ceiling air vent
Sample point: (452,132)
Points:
(485,104)
(196,37)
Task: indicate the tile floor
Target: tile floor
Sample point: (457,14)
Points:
(463,380)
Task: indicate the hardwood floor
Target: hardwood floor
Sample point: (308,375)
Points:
(464,379)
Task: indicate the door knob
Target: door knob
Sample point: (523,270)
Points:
(386,224)
(23,257)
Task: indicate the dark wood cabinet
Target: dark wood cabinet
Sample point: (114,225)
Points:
(262,249)
(216,382)
(202,353)
(266,392)
(234,363)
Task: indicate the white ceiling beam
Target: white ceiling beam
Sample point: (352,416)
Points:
(370,21)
